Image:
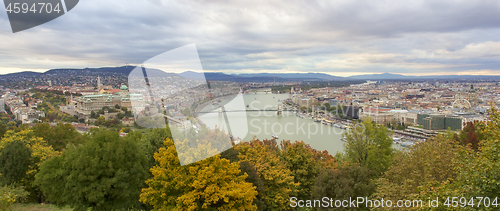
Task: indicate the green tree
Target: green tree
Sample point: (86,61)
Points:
(152,141)
(369,145)
(210,184)
(348,181)
(326,106)
(59,135)
(119,116)
(105,173)
(100,120)
(3,129)
(15,161)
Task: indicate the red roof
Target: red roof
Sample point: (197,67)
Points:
(112,91)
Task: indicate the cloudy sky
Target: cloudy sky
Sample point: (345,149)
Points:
(337,37)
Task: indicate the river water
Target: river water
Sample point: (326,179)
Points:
(264,124)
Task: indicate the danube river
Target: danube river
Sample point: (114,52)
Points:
(264,124)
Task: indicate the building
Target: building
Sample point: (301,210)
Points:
(88,103)
(128,121)
(2,105)
(380,118)
(352,111)
(334,102)
(440,121)
(28,115)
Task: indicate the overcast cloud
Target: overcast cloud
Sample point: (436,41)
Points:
(336,37)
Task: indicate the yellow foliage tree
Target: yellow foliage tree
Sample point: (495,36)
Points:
(40,152)
(210,184)
(278,180)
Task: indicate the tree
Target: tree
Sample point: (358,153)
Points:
(3,129)
(152,141)
(253,176)
(15,160)
(483,169)
(59,135)
(117,106)
(278,180)
(101,120)
(370,146)
(186,112)
(326,106)
(305,164)
(210,184)
(10,195)
(105,173)
(468,136)
(40,152)
(348,181)
(432,162)
(119,116)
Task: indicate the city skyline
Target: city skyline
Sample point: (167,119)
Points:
(341,39)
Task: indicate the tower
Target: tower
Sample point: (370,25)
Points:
(98,83)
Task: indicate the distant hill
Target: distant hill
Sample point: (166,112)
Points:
(208,76)
(125,70)
(322,76)
(25,73)
(383,76)
(243,77)
(390,76)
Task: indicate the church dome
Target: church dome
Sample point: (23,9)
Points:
(124,87)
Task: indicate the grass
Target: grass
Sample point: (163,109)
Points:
(39,207)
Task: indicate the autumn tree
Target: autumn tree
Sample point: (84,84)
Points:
(428,164)
(253,176)
(369,145)
(210,184)
(40,152)
(278,180)
(483,171)
(305,164)
(468,136)
(106,173)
